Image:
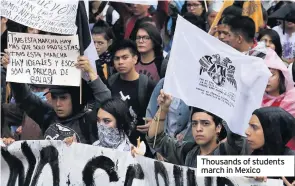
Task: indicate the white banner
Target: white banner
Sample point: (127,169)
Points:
(43,59)
(209,74)
(48,15)
(55,163)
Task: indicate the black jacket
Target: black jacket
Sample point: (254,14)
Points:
(54,128)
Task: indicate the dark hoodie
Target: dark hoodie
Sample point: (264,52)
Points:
(278,128)
(80,123)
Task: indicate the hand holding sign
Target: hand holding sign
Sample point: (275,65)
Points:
(83,63)
(164,100)
(5,59)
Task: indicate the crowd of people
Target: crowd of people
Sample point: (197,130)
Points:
(123,101)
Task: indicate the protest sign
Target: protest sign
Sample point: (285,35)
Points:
(43,59)
(48,15)
(55,163)
(209,74)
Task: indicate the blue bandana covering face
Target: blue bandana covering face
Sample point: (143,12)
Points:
(40,95)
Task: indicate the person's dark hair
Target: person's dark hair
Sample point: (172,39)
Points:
(232,11)
(119,109)
(242,25)
(217,120)
(102,27)
(195,20)
(282,86)
(184,8)
(125,44)
(274,37)
(139,22)
(264,14)
(278,128)
(156,39)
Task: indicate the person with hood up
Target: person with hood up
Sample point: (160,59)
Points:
(270,129)
(65,119)
(280,91)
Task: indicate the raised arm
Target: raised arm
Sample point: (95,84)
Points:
(122,9)
(100,90)
(31,104)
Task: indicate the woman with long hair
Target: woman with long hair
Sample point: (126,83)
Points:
(103,38)
(149,45)
(113,125)
(271,39)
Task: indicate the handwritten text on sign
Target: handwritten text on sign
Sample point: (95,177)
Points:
(43,59)
(48,15)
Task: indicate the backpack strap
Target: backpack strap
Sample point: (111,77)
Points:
(142,92)
(109,15)
(112,79)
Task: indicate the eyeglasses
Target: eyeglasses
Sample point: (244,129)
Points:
(143,38)
(193,5)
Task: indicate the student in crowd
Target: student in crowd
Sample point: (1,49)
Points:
(149,45)
(287,36)
(280,91)
(271,39)
(65,117)
(103,38)
(130,13)
(195,7)
(207,130)
(238,32)
(21,126)
(138,23)
(114,125)
(270,129)
(130,86)
(101,10)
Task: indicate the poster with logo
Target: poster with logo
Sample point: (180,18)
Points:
(209,74)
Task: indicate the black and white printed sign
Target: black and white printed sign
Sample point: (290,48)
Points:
(34,163)
(209,74)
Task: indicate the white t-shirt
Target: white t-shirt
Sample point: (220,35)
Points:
(288,43)
(115,15)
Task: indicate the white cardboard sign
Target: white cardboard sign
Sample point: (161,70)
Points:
(43,59)
(54,16)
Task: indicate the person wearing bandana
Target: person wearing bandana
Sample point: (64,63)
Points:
(114,125)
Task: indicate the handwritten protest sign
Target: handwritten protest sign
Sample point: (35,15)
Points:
(55,163)
(43,59)
(48,15)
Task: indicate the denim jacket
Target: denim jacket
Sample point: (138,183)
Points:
(178,115)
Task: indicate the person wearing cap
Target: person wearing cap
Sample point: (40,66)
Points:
(65,119)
